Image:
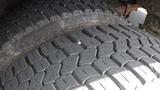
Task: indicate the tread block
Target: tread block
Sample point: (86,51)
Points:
(62,42)
(11,84)
(87,56)
(124,77)
(52,73)
(20,65)
(145,41)
(126,27)
(130,34)
(35,17)
(41,65)
(106,29)
(158,41)
(93,32)
(105,50)
(2,78)
(156,48)
(76,36)
(105,38)
(134,43)
(152,64)
(157,58)
(23,86)
(74,9)
(149,51)
(25,75)
(153,41)
(80,88)
(125,31)
(117,28)
(47,49)
(69,64)
(11,30)
(48,12)
(137,54)
(95,8)
(104,64)
(143,73)
(73,49)
(9,73)
(118,35)
(34,56)
(85,72)
(141,35)
(89,43)
(66,82)
(121,45)
(48,87)
(121,58)
(56,57)
(102,83)
(23,23)
(83,7)
(36,81)
(62,11)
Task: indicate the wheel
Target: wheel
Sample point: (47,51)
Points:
(75,45)
(37,21)
(99,57)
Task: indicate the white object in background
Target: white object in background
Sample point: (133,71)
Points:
(138,17)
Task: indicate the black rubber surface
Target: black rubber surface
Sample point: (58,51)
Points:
(37,13)
(95,58)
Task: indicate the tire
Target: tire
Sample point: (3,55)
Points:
(37,21)
(99,57)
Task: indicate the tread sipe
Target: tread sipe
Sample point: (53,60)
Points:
(102,57)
